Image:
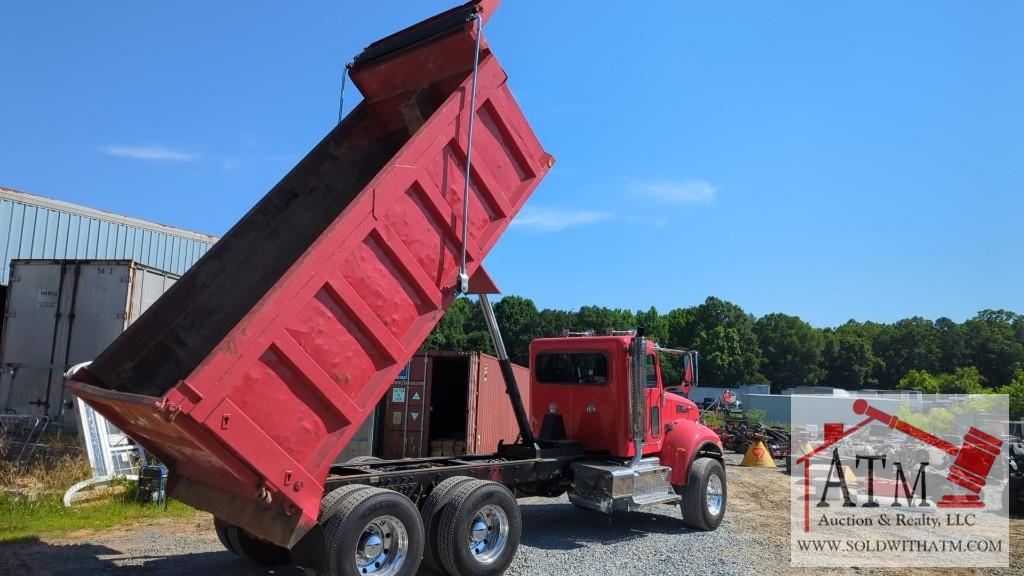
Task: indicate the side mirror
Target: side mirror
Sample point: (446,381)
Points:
(689,377)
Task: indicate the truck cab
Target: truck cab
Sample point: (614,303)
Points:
(607,394)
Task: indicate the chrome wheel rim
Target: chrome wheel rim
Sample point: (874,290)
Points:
(714,496)
(382,547)
(488,534)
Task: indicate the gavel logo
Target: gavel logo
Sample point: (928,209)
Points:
(972,461)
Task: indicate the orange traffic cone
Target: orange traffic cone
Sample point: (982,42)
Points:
(849,476)
(757,456)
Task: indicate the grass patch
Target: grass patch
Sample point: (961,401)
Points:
(31,500)
(22,518)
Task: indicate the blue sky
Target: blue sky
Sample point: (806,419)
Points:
(831,161)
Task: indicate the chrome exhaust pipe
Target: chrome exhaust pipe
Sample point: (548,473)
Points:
(637,397)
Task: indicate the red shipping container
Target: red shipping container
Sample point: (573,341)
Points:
(453,397)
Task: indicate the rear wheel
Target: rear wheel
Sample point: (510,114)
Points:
(333,500)
(439,497)
(479,530)
(375,532)
(363,460)
(705,495)
(1013,501)
(222,533)
(253,549)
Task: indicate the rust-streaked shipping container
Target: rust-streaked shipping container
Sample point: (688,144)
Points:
(450,403)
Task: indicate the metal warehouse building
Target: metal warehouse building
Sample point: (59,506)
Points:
(36,227)
(72,278)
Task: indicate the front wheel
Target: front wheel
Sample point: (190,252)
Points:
(705,495)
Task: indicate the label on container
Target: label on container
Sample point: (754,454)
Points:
(46,298)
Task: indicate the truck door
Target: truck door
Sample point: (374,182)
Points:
(655,398)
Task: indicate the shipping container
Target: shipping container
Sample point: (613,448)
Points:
(450,403)
(35,227)
(365,440)
(60,313)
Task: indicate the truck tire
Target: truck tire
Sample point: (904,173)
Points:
(222,534)
(332,501)
(255,550)
(1013,500)
(705,495)
(479,530)
(435,504)
(363,460)
(374,531)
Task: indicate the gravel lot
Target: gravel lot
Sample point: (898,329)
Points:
(557,539)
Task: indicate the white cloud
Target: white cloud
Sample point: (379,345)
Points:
(148,153)
(550,220)
(686,192)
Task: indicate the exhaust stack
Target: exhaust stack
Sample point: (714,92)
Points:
(637,401)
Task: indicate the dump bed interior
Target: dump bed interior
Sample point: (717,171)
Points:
(252,373)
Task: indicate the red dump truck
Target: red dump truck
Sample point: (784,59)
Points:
(251,373)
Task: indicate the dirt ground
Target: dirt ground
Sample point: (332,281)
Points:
(761,498)
(757,521)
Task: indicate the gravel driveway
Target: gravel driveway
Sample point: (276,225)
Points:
(557,539)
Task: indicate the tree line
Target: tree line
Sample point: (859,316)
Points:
(983,353)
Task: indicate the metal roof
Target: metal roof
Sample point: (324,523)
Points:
(32,226)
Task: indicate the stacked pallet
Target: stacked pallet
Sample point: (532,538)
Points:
(447,447)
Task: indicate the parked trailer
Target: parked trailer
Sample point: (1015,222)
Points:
(60,313)
(257,367)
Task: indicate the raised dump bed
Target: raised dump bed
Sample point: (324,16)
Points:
(251,374)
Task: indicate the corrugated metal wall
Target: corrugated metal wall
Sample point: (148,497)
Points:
(778,409)
(699,393)
(36,227)
(495,418)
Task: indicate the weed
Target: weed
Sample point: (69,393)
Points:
(44,514)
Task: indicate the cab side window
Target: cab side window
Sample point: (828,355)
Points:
(652,372)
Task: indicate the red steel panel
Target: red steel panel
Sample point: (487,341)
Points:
(495,421)
(250,433)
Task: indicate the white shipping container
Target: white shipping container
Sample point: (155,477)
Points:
(60,313)
(362,443)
